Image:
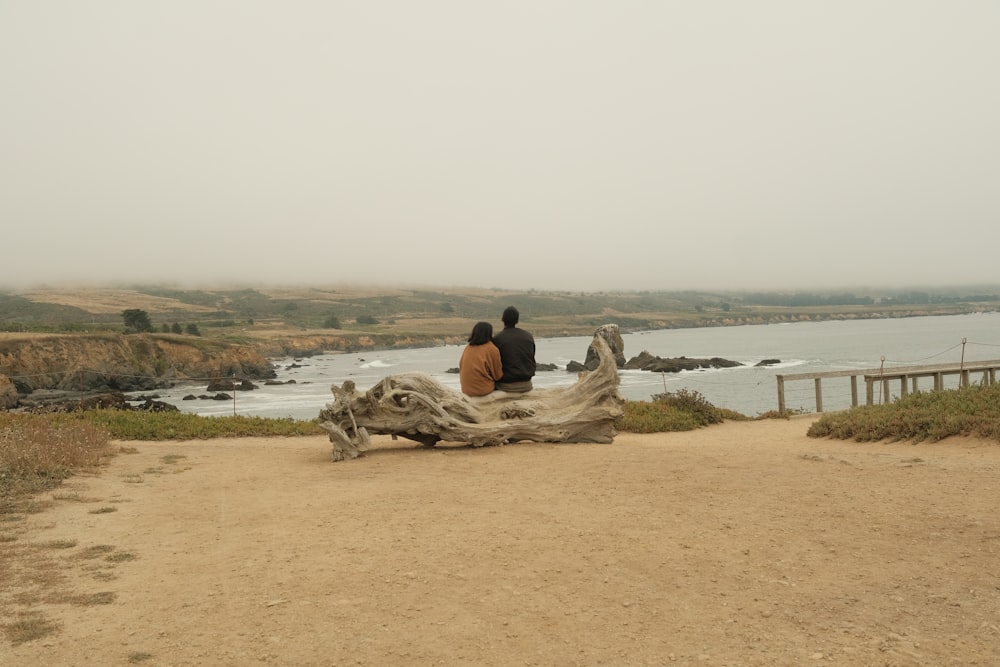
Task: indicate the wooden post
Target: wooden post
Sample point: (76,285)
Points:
(903,389)
(869,391)
(854,391)
(781,394)
(819,395)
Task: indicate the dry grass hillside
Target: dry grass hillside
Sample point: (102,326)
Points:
(430,315)
(110,300)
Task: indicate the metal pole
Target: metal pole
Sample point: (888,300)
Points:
(963,380)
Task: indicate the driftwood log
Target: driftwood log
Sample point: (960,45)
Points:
(417,407)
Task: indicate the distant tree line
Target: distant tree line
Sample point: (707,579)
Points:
(137,321)
(801,299)
(913,297)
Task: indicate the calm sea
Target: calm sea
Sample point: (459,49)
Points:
(800,347)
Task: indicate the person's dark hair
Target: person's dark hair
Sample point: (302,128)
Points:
(481,333)
(510,316)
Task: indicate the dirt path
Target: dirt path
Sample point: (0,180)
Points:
(740,544)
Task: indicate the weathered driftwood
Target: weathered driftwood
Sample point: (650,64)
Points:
(417,407)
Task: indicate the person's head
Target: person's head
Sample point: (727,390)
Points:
(510,316)
(481,333)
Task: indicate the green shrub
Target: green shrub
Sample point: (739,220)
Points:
(655,417)
(931,416)
(692,403)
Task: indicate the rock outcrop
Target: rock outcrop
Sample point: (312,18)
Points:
(647,362)
(8,393)
(122,363)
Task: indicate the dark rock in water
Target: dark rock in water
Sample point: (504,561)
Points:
(190,397)
(647,362)
(719,362)
(575,367)
(768,362)
(229,385)
(275,382)
(222,397)
(452,370)
(60,401)
(149,405)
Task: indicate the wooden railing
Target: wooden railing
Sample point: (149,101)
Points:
(906,375)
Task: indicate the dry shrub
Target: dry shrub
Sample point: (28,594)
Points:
(28,626)
(38,451)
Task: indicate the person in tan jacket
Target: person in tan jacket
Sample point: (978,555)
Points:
(480,366)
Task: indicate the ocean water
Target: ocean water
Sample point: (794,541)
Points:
(800,347)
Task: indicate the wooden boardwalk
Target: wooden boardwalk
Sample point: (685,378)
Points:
(907,376)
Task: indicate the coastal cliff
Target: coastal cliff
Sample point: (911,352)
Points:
(307,345)
(122,362)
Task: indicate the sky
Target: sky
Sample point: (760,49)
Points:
(578,145)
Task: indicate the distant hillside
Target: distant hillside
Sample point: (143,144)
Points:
(429,314)
(75,339)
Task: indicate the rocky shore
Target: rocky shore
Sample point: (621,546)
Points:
(79,365)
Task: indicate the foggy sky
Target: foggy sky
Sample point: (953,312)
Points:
(582,145)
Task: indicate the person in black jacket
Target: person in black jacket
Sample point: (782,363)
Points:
(517,354)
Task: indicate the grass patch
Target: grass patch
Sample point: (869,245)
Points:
(29,626)
(58,544)
(121,557)
(172,458)
(37,452)
(93,599)
(130,425)
(931,416)
(103,510)
(95,551)
(139,656)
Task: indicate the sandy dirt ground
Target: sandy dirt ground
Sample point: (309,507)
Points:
(738,544)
